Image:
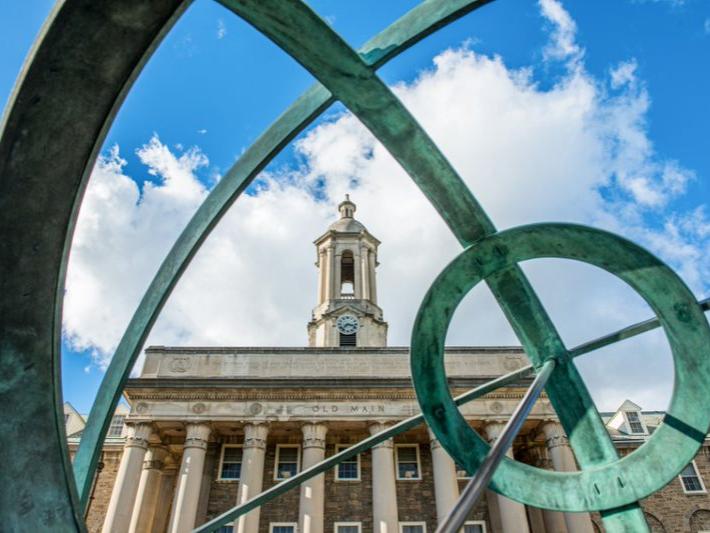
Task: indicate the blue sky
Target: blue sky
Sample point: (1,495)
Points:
(215,84)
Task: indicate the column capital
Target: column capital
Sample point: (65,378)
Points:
(554,434)
(433,441)
(255,436)
(378,427)
(314,435)
(138,434)
(197,435)
(155,458)
(492,430)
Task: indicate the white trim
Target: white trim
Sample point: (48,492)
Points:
(697,474)
(356,524)
(339,448)
(401,524)
(221,461)
(396,464)
(276,461)
(476,523)
(272,525)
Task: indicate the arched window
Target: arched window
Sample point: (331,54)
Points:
(654,524)
(347,275)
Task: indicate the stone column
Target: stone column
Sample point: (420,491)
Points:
(312,502)
(563,461)
(322,266)
(252,476)
(513,518)
(329,273)
(337,274)
(384,488)
(165,494)
(554,521)
(187,491)
(365,272)
(357,274)
(373,278)
(446,487)
(148,488)
(123,495)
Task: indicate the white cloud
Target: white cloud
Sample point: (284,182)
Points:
(706,26)
(574,152)
(563,45)
(221,29)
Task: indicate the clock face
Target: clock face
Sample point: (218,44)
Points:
(347,324)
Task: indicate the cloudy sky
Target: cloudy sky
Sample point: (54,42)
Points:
(548,111)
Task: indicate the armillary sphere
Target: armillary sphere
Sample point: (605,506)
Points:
(68,94)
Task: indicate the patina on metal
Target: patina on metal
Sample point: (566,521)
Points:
(626,480)
(75,81)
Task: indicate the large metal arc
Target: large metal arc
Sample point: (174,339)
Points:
(409,29)
(67,95)
(627,480)
(304,36)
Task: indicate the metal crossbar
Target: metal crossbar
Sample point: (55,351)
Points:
(362,446)
(478,483)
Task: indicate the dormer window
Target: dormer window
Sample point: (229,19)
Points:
(634,423)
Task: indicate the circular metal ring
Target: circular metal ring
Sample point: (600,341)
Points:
(669,449)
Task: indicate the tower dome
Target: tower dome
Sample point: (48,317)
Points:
(347,314)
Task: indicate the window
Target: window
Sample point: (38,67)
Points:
(408,462)
(691,480)
(347,275)
(412,527)
(282,527)
(347,527)
(116,427)
(230,463)
(287,461)
(348,470)
(635,425)
(229,528)
(348,340)
(474,526)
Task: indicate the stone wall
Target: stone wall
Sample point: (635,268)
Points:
(102,490)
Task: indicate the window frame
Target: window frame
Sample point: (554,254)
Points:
(402,524)
(481,523)
(272,525)
(231,524)
(276,464)
(347,524)
(396,462)
(112,426)
(697,474)
(221,463)
(339,448)
(644,429)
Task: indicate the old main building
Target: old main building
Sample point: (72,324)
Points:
(207,428)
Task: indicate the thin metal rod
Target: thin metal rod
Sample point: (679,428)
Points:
(625,333)
(360,447)
(456,518)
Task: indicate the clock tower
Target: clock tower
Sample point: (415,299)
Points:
(347,314)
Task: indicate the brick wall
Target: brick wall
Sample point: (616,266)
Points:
(102,491)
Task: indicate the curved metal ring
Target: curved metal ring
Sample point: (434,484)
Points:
(612,485)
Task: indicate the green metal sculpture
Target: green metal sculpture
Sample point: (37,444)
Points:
(42,177)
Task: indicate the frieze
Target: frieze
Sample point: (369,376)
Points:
(295,395)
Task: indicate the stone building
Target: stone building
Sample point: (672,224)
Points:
(206,428)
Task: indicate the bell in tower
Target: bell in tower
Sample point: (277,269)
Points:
(347,314)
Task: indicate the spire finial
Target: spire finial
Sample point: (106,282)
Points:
(347,207)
